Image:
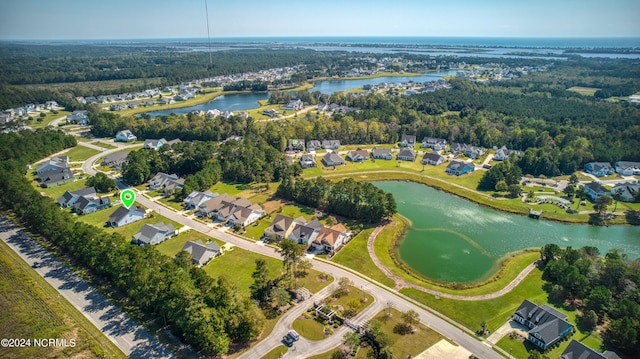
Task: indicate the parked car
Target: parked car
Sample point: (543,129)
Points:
(293,335)
(37,265)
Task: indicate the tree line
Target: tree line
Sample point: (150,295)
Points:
(348,198)
(604,290)
(204,312)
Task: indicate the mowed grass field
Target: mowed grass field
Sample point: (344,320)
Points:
(31,308)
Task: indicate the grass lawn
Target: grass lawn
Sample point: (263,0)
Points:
(520,349)
(309,328)
(238,264)
(35,124)
(171,202)
(276,353)
(103,145)
(355,295)
(408,345)
(495,311)
(31,308)
(231,189)
(313,282)
(55,192)
(355,256)
(81,153)
(173,246)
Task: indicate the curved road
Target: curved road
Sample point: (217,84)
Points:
(134,341)
(380,292)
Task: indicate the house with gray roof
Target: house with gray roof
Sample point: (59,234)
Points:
(382,154)
(196,198)
(304,233)
(86,205)
(436,144)
(503,153)
(123,216)
(627,191)
(546,325)
(295,145)
(69,198)
(56,177)
(153,144)
(281,226)
(331,144)
(246,215)
(408,141)
(459,168)
(157,181)
(313,145)
(432,158)
(151,234)
(116,160)
(125,136)
(332,159)
(200,253)
(599,169)
(307,161)
(56,163)
(627,168)
(595,190)
(211,206)
(406,154)
(577,350)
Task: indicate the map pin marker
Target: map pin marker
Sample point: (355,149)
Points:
(127,197)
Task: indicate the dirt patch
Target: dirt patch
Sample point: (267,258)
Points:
(444,349)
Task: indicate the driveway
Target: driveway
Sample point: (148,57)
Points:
(134,341)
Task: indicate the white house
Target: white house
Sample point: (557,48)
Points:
(125,136)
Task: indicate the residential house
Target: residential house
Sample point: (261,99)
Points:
(358,155)
(382,154)
(148,103)
(468,150)
(151,144)
(595,190)
(626,168)
(330,239)
(305,233)
(173,142)
(503,153)
(546,325)
(332,159)
(307,161)
(432,158)
(69,198)
(459,168)
(78,117)
(331,144)
(599,169)
(436,144)
(577,350)
(196,198)
(294,105)
(295,145)
(246,215)
(116,160)
(157,181)
(123,216)
(88,204)
(627,191)
(117,107)
(56,177)
(151,234)
(313,145)
(210,206)
(171,186)
(271,112)
(408,141)
(281,226)
(134,104)
(56,163)
(227,208)
(125,136)
(50,105)
(406,154)
(200,253)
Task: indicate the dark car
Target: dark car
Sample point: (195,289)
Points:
(37,265)
(287,340)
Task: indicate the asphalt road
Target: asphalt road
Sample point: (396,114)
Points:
(381,293)
(134,341)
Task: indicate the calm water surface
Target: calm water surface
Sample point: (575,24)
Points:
(455,240)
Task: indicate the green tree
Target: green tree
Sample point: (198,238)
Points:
(589,320)
(304,266)
(261,285)
(291,253)
(502,186)
(599,300)
(602,203)
(410,317)
(549,252)
(573,180)
(617,196)
(622,333)
(101,183)
(515,190)
(570,191)
(279,296)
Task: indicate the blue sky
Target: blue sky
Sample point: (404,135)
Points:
(135,19)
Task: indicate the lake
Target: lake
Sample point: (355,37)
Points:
(455,240)
(248,101)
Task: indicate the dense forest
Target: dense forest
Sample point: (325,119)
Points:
(356,200)
(204,312)
(605,291)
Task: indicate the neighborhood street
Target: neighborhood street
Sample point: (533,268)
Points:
(381,293)
(132,339)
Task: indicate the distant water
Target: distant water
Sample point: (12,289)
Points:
(523,42)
